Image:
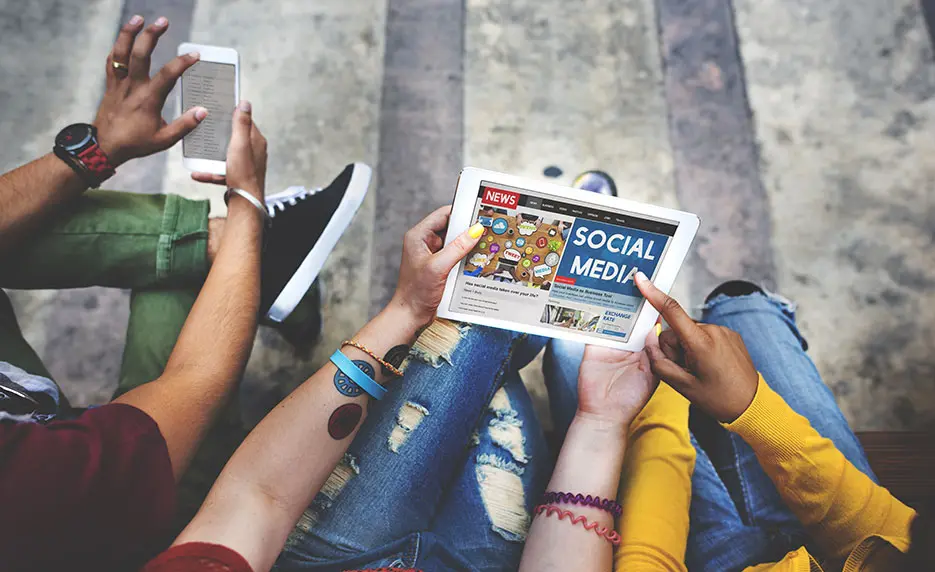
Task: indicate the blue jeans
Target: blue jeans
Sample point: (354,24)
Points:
(444,473)
(738,518)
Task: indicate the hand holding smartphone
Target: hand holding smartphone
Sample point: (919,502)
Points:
(213,83)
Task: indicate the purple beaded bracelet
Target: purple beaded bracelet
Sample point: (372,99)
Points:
(557,497)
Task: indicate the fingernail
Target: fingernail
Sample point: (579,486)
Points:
(135,20)
(245,106)
(658,329)
(194,55)
(476,230)
(640,276)
(200,113)
(161,21)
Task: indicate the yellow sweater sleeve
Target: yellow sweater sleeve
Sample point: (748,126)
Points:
(839,505)
(655,488)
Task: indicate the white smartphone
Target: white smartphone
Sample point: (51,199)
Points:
(213,83)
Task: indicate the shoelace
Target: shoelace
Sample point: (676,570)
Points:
(283,203)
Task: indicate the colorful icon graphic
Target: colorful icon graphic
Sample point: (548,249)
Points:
(526,228)
(479,259)
(512,255)
(542,270)
(552,259)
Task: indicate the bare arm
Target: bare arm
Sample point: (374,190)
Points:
(283,463)
(589,464)
(30,193)
(129,125)
(613,386)
(214,345)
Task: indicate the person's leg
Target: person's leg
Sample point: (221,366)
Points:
(485,514)
(156,319)
(107,239)
(122,240)
(718,540)
(767,325)
(410,449)
(560,369)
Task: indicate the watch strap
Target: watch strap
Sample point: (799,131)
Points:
(73,162)
(97,163)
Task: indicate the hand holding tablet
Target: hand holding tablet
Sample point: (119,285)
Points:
(561,262)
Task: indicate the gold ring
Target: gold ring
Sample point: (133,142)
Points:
(119,66)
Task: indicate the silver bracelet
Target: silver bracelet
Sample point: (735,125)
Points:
(252,200)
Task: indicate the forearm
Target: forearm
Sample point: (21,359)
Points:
(589,463)
(214,344)
(31,192)
(837,503)
(283,463)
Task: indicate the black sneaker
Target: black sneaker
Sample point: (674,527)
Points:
(306,226)
(734,289)
(596,182)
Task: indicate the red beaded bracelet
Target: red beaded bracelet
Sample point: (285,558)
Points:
(608,534)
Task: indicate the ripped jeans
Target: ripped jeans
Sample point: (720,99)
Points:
(446,469)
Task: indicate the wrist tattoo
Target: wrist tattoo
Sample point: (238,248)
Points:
(344,420)
(395,356)
(345,385)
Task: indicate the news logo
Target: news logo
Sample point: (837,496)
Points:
(500,198)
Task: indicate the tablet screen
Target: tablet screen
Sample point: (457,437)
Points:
(557,263)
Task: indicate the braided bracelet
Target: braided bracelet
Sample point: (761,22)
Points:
(386,365)
(608,534)
(558,497)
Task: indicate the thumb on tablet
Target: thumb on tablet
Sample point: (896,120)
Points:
(451,254)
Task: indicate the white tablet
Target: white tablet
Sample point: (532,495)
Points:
(560,262)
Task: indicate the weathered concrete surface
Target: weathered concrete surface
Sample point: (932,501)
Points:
(716,170)
(842,92)
(421,127)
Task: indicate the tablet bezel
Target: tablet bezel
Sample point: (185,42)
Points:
(462,214)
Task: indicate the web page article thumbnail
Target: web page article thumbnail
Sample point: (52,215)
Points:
(517,247)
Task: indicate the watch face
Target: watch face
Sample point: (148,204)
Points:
(74,136)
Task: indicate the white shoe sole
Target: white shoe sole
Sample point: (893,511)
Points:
(302,280)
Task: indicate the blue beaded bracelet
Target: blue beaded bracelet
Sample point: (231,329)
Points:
(348,368)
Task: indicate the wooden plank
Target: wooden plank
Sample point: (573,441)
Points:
(904,462)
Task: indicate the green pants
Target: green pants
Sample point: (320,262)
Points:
(154,245)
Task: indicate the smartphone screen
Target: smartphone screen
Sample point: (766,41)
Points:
(211,85)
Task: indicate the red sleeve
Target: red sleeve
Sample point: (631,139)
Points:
(198,557)
(95,492)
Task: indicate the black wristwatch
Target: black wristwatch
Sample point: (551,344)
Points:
(77,146)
